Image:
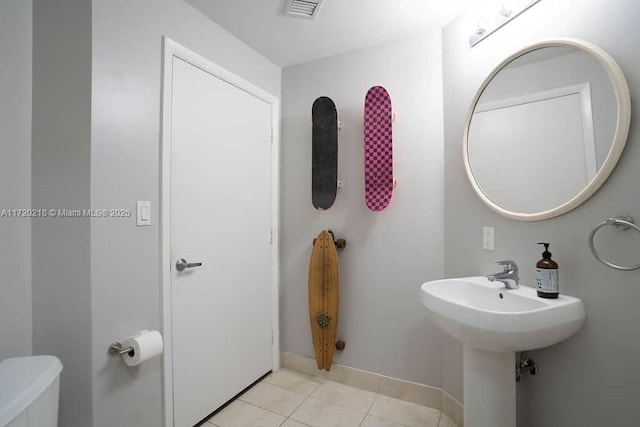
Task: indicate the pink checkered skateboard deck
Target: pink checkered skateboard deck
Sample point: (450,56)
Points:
(378,149)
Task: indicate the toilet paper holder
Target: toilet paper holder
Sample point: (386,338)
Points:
(116,349)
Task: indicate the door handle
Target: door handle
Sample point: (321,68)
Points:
(182,264)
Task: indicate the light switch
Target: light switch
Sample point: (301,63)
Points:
(143,217)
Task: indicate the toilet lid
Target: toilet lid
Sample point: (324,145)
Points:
(22,381)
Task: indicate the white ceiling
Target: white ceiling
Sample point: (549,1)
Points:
(341,26)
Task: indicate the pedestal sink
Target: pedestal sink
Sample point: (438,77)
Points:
(493,323)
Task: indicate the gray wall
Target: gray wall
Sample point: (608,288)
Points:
(60,179)
(590,379)
(125,159)
(389,253)
(15,176)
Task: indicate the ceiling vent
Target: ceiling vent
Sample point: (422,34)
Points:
(308,9)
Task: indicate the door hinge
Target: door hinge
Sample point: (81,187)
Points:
(271,237)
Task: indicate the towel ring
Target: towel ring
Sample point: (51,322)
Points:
(621,223)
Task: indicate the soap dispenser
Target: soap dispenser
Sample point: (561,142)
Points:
(547,272)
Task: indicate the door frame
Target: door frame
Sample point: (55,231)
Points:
(171,49)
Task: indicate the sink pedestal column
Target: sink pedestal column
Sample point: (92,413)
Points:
(489,388)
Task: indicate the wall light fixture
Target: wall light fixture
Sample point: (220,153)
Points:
(494,16)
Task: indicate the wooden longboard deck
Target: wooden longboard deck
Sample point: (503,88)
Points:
(324,297)
(378,148)
(324,153)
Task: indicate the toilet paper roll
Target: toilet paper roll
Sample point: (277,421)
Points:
(145,344)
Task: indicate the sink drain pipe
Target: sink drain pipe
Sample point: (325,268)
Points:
(525,366)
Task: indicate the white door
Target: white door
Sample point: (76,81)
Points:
(532,156)
(220,217)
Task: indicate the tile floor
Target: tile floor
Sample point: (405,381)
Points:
(291,399)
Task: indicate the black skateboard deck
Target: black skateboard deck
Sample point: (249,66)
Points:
(324,153)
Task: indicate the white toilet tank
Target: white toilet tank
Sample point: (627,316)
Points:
(29,388)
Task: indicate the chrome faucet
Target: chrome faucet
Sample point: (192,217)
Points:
(508,276)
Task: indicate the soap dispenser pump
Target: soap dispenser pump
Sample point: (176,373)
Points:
(547,272)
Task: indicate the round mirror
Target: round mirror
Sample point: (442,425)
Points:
(546,128)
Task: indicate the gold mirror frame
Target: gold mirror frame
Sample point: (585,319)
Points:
(619,84)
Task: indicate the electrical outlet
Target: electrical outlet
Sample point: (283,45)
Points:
(488,238)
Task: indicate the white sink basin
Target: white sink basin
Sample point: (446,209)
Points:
(487,316)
